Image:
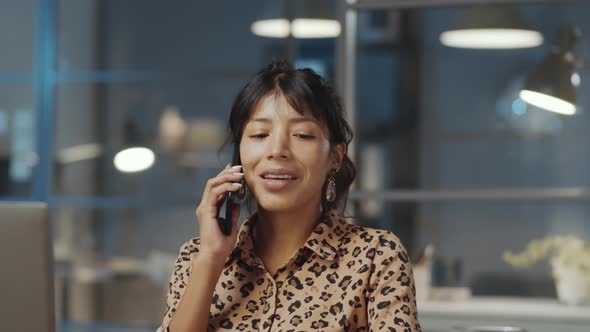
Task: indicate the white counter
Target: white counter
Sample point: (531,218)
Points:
(535,315)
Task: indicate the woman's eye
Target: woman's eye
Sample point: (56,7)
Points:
(258,136)
(305,136)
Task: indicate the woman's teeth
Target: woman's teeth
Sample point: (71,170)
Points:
(279,177)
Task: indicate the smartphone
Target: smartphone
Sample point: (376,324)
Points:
(233,199)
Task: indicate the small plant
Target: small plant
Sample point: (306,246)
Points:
(570,261)
(565,251)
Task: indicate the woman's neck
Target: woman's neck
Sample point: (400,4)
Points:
(277,235)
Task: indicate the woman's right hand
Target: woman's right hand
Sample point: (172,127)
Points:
(214,244)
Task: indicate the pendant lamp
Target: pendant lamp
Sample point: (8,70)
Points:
(491,27)
(551,85)
(299,19)
(134,157)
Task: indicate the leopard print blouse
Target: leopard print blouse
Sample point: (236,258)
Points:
(345,278)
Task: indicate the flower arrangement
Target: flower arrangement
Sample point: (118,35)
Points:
(570,260)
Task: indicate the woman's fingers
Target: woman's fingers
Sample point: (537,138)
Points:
(216,195)
(227,175)
(230,169)
(224,188)
(216,190)
(226,170)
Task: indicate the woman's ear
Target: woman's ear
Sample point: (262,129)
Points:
(339,151)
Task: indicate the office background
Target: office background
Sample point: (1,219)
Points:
(448,153)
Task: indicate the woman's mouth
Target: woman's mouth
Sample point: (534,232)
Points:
(277,181)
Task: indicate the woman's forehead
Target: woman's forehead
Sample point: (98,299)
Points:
(276,106)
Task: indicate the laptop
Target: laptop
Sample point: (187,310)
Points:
(26,271)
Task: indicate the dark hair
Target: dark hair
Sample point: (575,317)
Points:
(303,89)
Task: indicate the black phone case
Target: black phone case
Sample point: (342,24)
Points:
(232,201)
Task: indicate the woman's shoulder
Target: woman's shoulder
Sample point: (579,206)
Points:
(379,239)
(192,245)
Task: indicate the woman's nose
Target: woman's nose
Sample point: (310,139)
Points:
(279,147)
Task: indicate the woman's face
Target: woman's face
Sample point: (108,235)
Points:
(286,156)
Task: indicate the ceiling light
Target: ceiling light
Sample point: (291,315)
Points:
(272,28)
(315,28)
(298,18)
(491,27)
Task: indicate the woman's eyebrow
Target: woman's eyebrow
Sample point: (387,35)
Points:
(292,120)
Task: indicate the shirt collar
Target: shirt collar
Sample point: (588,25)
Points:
(324,240)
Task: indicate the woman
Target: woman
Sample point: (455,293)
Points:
(294,265)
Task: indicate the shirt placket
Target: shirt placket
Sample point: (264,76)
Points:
(269,298)
(270,306)
(272,290)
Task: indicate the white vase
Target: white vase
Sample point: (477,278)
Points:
(572,284)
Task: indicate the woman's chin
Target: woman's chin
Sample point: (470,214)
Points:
(282,201)
(277,205)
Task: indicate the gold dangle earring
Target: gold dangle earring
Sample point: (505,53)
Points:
(331,188)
